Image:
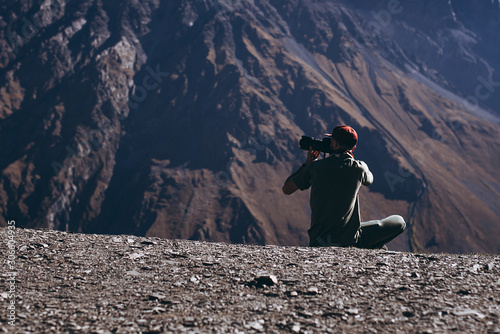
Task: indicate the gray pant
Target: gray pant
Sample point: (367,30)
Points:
(376,233)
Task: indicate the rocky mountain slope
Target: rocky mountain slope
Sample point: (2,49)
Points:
(181,120)
(88,283)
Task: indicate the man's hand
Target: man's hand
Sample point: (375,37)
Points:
(311,156)
(290,187)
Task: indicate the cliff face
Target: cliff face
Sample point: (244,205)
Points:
(182,120)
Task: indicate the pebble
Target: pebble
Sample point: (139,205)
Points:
(264,280)
(312,290)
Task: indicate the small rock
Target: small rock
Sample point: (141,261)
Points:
(305,314)
(133,273)
(189,322)
(265,280)
(257,325)
(460,312)
(157,296)
(208,263)
(476,268)
(408,314)
(158,310)
(352,311)
(134,256)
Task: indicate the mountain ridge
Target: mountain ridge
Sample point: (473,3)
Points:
(183,121)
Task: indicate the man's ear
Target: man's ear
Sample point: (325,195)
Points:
(334,144)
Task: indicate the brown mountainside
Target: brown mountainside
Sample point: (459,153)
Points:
(182,120)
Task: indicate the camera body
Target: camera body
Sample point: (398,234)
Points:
(323,145)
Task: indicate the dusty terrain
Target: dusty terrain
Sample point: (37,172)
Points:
(181,120)
(78,283)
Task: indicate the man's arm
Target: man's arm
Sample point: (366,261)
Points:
(367,177)
(290,187)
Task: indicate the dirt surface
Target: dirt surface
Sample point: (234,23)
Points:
(78,283)
(182,119)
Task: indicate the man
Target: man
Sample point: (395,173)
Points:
(335,182)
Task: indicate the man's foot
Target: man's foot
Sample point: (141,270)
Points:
(384,247)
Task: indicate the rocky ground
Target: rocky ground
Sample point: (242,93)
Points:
(79,283)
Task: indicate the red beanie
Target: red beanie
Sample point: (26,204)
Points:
(345,135)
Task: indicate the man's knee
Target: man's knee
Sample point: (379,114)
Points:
(395,222)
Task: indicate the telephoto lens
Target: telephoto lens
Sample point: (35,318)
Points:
(317,145)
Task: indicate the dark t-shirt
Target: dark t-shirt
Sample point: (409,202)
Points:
(334,182)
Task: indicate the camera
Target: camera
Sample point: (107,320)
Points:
(323,145)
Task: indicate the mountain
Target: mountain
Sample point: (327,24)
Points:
(182,120)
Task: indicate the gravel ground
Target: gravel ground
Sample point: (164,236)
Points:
(80,283)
